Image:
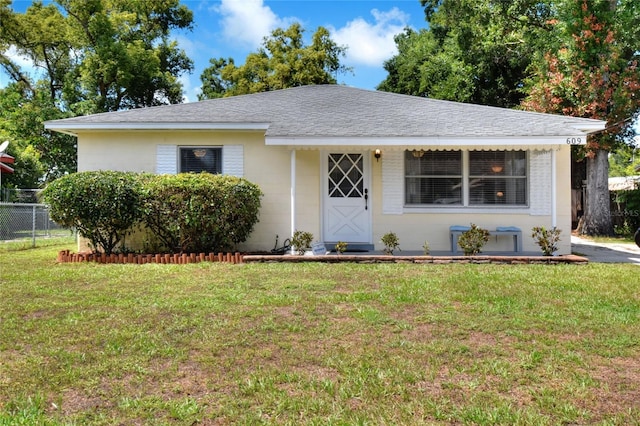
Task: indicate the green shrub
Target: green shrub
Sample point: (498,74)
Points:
(547,239)
(473,240)
(341,247)
(102,205)
(301,241)
(200,212)
(391,242)
(626,214)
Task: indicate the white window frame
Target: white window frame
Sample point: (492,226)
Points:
(168,158)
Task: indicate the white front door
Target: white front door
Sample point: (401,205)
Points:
(347,202)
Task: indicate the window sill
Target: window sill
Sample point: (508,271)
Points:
(466,210)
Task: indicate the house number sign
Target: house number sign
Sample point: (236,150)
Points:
(574,141)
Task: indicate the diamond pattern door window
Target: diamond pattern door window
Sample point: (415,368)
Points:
(345,177)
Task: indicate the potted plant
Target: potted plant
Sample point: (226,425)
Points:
(472,241)
(341,247)
(547,239)
(301,241)
(391,242)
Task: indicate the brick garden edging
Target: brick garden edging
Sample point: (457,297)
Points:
(65,256)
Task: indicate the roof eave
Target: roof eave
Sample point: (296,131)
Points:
(75,128)
(596,126)
(435,141)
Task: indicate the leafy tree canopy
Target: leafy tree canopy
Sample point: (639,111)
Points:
(91,56)
(474,51)
(282,61)
(575,57)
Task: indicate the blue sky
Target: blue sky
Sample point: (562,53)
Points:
(235,28)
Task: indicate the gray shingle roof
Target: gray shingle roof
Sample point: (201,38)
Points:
(340,111)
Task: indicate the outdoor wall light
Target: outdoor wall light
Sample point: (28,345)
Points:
(377,153)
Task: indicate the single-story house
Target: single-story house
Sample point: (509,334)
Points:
(350,165)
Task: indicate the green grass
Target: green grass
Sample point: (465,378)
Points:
(317,344)
(26,243)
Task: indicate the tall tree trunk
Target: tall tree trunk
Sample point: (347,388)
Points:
(597,213)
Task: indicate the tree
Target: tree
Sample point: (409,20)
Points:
(90,56)
(282,61)
(41,156)
(127,59)
(474,51)
(561,56)
(426,66)
(592,75)
(100,55)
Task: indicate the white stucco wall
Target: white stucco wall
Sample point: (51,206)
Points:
(269,167)
(432,225)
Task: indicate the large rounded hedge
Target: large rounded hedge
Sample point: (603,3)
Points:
(200,212)
(102,205)
(185,212)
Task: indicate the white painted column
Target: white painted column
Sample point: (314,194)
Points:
(293,192)
(554,190)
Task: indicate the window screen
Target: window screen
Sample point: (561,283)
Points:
(201,159)
(433,177)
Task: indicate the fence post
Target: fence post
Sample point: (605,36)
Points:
(33,226)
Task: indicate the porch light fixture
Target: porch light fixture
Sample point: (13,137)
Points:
(417,153)
(199,153)
(377,153)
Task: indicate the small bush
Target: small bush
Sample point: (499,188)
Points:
(473,240)
(102,205)
(200,212)
(341,247)
(391,242)
(426,248)
(547,239)
(301,241)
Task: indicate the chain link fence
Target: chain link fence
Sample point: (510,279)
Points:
(24,221)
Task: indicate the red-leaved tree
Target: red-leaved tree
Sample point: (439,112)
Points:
(590,74)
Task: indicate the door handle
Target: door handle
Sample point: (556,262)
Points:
(366,199)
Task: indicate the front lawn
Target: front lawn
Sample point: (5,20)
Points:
(317,344)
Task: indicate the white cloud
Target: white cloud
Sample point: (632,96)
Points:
(247,22)
(371,43)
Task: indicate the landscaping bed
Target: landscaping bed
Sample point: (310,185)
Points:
(66,256)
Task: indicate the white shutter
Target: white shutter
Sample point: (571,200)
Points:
(392,182)
(166,159)
(540,183)
(233,160)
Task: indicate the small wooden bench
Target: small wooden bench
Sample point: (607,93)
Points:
(456,230)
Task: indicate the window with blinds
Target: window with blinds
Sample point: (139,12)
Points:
(489,178)
(201,159)
(433,177)
(498,178)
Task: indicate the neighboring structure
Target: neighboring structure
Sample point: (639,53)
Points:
(624,183)
(351,165)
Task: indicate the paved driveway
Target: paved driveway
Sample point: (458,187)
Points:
(606,252)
